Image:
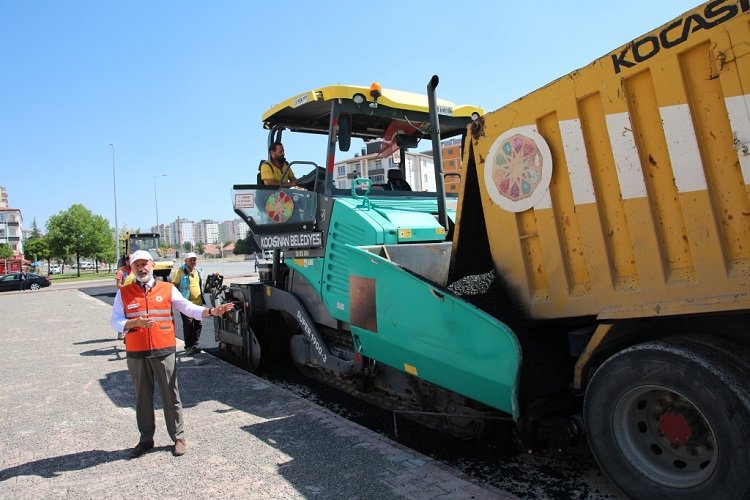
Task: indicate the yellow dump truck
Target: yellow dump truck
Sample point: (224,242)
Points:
(613,205)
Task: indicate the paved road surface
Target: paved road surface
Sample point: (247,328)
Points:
(570,474)
(546,474)
(66,403)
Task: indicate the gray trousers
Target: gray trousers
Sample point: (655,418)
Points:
(144,371)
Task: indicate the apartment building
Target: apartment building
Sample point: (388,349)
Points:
(226,231)
(206,231)
(11,225)
(233,230)
(451,153)
(419,171)
(179,232)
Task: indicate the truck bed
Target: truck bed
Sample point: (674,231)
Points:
(632,177)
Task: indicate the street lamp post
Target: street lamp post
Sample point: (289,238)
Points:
(117,227)
(156,202)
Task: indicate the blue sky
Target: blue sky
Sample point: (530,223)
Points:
(179,87)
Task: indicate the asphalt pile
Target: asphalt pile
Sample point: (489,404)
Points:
(476,284)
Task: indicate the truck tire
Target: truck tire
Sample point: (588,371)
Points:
(671,419)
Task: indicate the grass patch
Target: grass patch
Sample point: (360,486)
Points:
(87,276)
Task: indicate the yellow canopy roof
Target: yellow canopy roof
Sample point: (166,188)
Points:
(310,110)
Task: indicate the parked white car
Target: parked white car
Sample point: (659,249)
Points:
(55,269)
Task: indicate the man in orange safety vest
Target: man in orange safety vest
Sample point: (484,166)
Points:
(143,311)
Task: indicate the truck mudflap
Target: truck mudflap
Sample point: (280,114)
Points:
(412,325)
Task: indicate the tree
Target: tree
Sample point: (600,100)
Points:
(200,248)
(37,247)
(5,251)
(246,245)
(187,246)
(103,244)
(35,233)
(78,231)
(240,247)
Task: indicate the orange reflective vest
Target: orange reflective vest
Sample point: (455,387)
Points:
(158,340)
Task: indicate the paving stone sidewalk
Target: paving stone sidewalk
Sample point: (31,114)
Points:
(66,407)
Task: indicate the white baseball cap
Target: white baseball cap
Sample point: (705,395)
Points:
(140,255)
(190,255)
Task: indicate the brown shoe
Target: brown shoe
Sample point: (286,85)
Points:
(179,448)
(141,448)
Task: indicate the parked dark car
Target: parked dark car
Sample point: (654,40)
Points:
(12,281)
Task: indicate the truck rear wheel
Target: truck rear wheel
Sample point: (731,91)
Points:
(671,419)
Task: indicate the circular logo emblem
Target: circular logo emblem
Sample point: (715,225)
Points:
(518,169)
(279,207)
(159,298)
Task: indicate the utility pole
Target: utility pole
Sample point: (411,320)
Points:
(156,202)
(117,227)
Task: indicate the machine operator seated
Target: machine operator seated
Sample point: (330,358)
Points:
(275,171)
